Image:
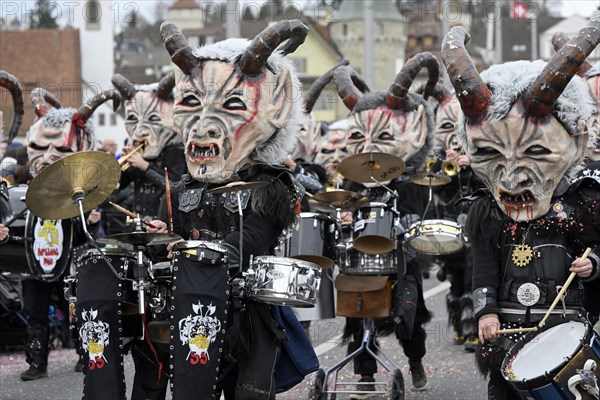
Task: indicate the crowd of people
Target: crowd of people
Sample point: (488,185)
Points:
(513,152)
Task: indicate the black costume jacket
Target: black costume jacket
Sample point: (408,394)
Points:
(149,185)
(503,262)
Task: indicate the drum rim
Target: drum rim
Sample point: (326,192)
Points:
(256,297)
(436,222)
(195,244)
(303,263)
(310,214)
(541,380)
(107,251)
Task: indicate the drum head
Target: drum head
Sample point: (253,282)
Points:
(321,261)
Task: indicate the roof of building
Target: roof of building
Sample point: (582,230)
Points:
(184,5)
(568,25)
(382,10)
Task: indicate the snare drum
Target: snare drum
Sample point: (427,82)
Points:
(311,239)
(548,363)
(122,261)
(435,237)
(283,281)
(359,263)
(374,229)
(203,251)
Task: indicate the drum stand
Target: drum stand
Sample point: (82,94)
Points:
(395,383)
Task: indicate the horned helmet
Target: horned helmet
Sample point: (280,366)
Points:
(58,132)
(525,124)
(395,121)
(236,101)
(11,83)
(148,113)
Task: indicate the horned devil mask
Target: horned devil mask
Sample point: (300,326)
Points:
(525,123)
(14,87)
(59,132)
(236,101)
(148,113)
(395,122)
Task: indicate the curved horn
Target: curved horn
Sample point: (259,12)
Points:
(401,85)
(350,86)
(164,91)
(180,51)
(86,110)
(11,83)
(317,87)
(255,56)
(124,86)
(472,92)
(539,99)
(40,99)
(558,41)
(439,92)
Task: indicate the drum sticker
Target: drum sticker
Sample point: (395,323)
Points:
(47,244)
(198,332)
(528,294)
(359,225)
(94,338)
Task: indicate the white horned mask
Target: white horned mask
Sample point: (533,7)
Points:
(148,113)
(236,101)
(395,121)
(525,124)
(59,132)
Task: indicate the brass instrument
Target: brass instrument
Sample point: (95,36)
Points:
(123,160)
(429,163)
(450,167)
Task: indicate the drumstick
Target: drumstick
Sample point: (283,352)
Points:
(515,330)
(563,289)
(131,214)
(169,208)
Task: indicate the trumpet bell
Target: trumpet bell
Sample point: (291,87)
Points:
(450,168)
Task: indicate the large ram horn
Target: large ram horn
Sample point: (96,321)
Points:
(180,51)
(317,87)
(255,56)
(124,86)
(439,92)
(40,99)
(11,83)
(165,87)
(86,110)
(471,91)
(540,97)
(404,79)
(558,41)
(350,86)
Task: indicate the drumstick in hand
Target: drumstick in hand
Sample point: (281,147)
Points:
(131,214)
(563,289)
(169,207)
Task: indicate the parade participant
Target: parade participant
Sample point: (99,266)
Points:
(234,107)
(56,133)
(398,123)
(333,151)
(525,129)
(455,164)
(149,124)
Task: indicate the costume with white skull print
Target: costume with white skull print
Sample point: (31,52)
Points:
(398,123)
(525,129)
(57,133)
(149,121)
(238,110)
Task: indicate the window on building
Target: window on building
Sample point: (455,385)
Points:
(113,119)
(345,30)
(299,63)
(428,42)
(326,101)
(379,29)
(92,14)
(412,41)
(101,119)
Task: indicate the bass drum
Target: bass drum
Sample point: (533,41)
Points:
(48,251)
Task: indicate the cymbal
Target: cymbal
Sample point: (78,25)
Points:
(381,166)
(90,175)
(140,238)
(238,185)
(430,179)
(341,199)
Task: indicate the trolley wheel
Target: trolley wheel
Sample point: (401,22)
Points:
(395,386)
(316,390)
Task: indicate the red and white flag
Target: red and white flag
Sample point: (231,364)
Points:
(519,10)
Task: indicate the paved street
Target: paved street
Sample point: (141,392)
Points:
(451,371)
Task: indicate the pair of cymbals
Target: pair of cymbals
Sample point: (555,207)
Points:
(371,167)
(343,199)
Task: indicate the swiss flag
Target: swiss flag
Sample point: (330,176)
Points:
(519,10)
